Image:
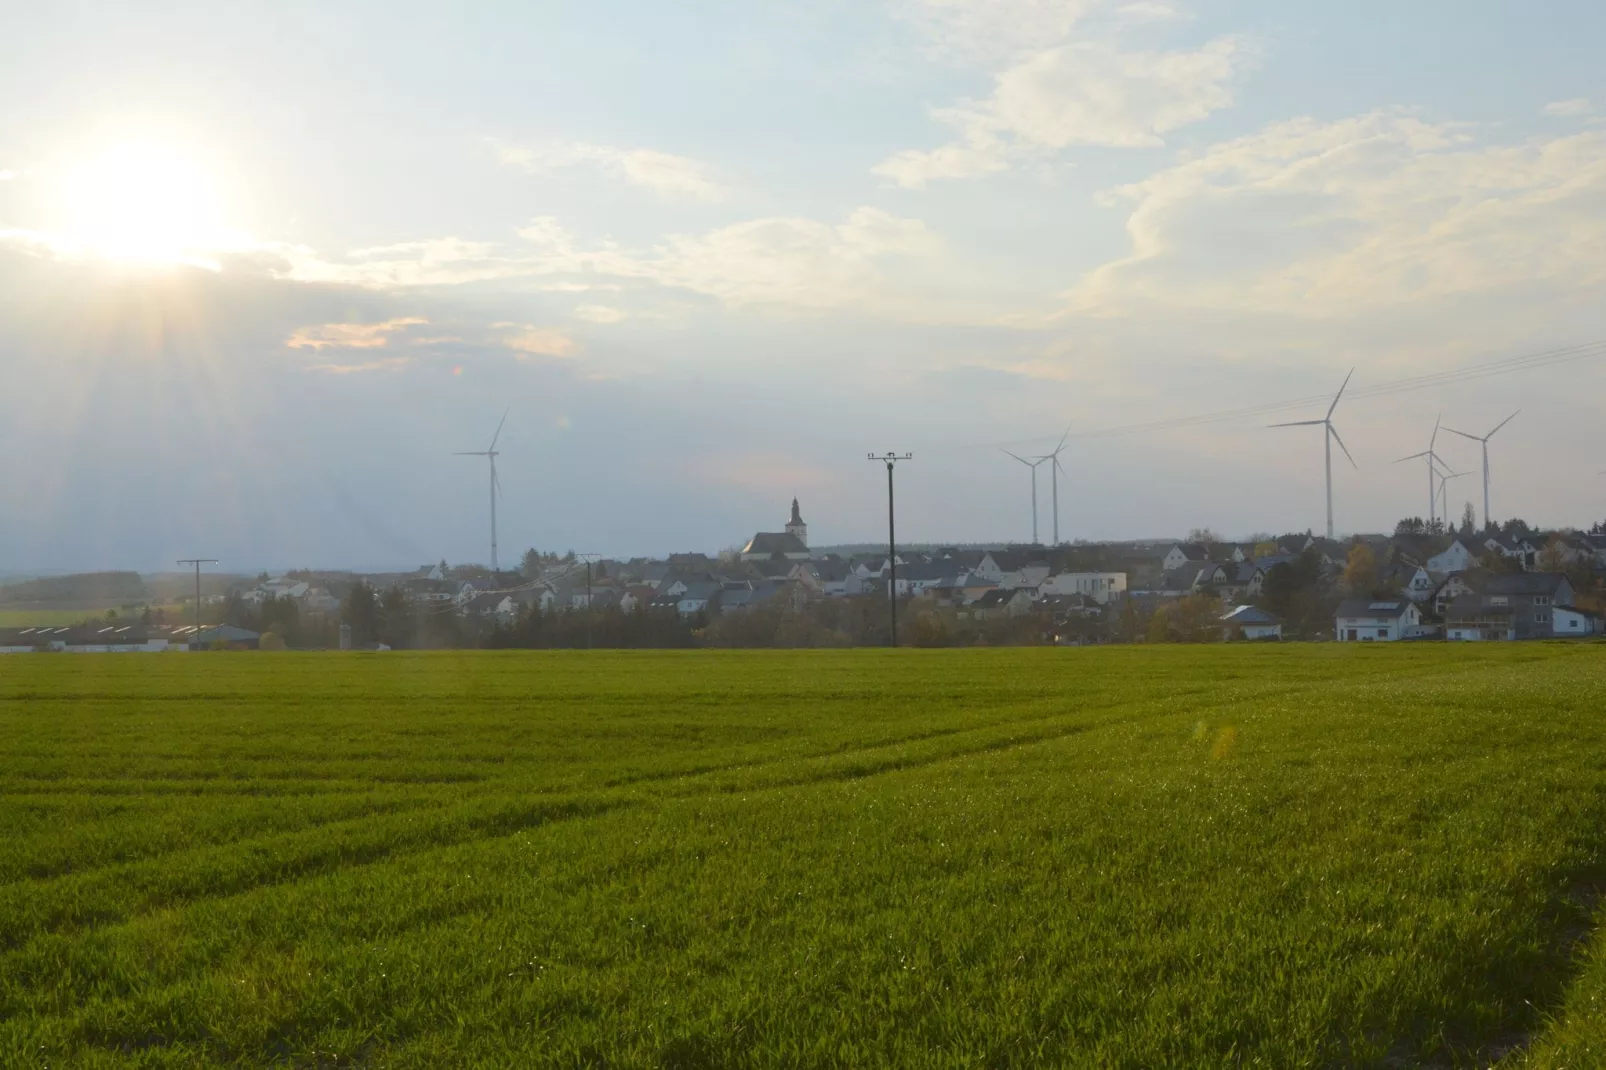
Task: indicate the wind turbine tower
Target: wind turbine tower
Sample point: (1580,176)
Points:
(490,453)
(1444,493)
(1054,480)
(1484,442)
(1329,436)
(1033,466)
(1435,462)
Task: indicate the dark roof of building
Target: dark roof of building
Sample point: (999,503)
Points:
(1386,608)
(1249,615)
(1474,606)
(774,542)
(1529,583)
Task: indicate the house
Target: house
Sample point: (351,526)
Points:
(1252,621)
(1472,618)
(1522,548)
(1520,605)
(1099,586)
(1240,579)
(1182,554)
(792,543)
(1448,591)
(999,602)
(1031,574)
(828,576)
(696,597)
(1191,578)
(1459,556)
(995,563)
(1363,620)
(1414,581)
(637,596)
(914,579)
(1568,621)
(733,599)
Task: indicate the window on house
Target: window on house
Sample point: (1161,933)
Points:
(1539,618)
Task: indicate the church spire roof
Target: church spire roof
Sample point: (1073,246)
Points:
(797,517)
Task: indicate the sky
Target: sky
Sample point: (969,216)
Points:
(264,268)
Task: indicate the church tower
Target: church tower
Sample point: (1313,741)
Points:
(795,526)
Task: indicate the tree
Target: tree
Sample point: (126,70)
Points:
(1553,558)
(1360,570)
(1159,627)
(1469,521)
(360,611)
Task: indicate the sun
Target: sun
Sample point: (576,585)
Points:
(143,202)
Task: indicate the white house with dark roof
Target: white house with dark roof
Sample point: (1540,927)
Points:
(1252,621)
(1183,553)
(1366,620)
(1459,556)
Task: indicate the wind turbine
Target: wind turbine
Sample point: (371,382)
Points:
(1033,466)
(1444,493)
(1054,479)
(1434,463)
(1328,438)
(1484,441)
(490,454)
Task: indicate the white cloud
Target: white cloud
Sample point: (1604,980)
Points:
(1576,106)
(1340,219)
(383,364)
(7,176)
(670,176)
(603,314)
(350,335)
(530,341)
(871,262)
(1092,90)
(989,32)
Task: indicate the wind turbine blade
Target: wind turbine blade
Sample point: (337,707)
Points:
(1061,446)
(1463,434)
(1413,456)
(499,429)
(470,453)
(1340,394)
(1503,423)
(1334,432)
(1437,420)
(1017,456)
(1299,423)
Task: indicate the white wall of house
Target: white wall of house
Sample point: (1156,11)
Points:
(1459,634)
(1454,559)
(1099,586)
(1566,622)
(1378,629)
(1174,559)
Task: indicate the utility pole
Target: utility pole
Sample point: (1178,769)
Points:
(588,558)
(890,459)
(198,562)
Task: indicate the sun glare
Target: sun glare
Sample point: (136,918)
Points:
(144,203)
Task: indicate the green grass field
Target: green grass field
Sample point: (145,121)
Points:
(1294,856)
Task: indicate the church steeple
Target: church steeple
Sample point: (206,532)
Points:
(796,527)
